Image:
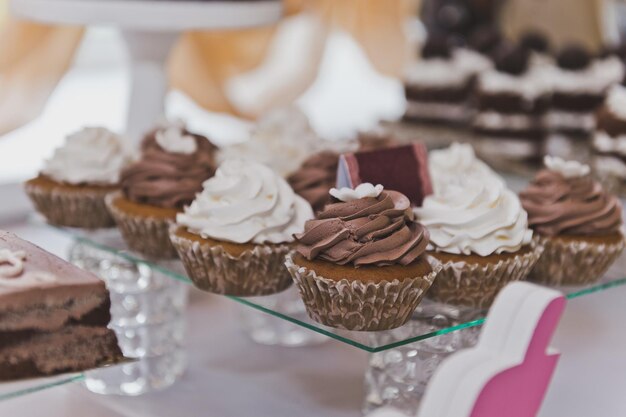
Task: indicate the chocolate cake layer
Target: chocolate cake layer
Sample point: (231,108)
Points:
(582,102)
(74,348)
(448,94)
(511,103)
(95,312)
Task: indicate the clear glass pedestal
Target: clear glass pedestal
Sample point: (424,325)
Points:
(147,314)
(269,330)
(398,377)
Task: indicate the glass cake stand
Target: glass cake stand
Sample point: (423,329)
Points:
(401,360)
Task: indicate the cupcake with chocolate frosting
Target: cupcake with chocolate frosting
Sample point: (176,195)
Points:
(71,188)
(173,165)
(479,232)
(361,264)
(316,176)
(234,236)
(577,222)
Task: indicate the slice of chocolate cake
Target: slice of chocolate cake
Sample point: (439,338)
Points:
(438,87)
(53,315)
(609,140)
(579,82)
(511,100)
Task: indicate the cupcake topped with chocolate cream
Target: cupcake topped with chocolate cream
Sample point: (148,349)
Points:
(563,200)
(361,264)
(173,165)
(577,222)
(367,226)
(316,176)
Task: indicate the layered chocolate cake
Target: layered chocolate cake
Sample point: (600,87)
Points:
(579,84)
(609,140)
(511,100)
(438,87)
(53,315)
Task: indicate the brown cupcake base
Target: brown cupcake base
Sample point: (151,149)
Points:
(70,205)
(365,304)
(475,281)
(571,260)
(231,269)
(145,229)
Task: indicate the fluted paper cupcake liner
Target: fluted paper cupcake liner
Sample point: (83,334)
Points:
(573,262)
(359,305)
(80,208)
(259,271)
(476,286)
(149,236)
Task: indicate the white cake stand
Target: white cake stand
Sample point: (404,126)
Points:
(149,28)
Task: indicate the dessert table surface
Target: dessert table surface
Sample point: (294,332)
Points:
(231,376)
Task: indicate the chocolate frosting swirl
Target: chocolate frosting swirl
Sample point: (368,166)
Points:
(315,178)
(168,179)
(368,231)
(570,206)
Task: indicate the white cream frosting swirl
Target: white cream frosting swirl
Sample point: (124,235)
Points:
(246,202)
(93,155)
(456,163)
(478,216)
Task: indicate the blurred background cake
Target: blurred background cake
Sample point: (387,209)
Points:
(609,140)
(579,83)
(511,100)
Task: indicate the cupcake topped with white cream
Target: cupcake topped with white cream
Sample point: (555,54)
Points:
(475,216)
(282,140)
(455,164)
(93,155)
(246,202)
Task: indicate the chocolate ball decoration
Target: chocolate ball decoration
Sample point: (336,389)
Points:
(511,59)
(573,58)
(535,40)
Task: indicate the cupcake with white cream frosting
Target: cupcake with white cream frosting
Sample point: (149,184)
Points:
(234,236)
(282,140)
(479,231)
(456,163)
(71,187)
